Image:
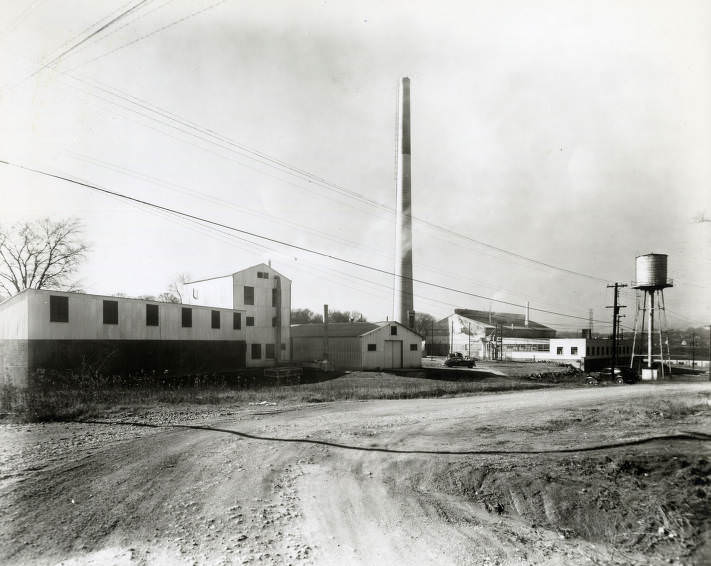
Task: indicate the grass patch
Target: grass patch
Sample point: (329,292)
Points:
(66,403)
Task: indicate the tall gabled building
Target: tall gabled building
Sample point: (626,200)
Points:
(263,296)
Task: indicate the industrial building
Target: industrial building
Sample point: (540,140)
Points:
(216,331)
(264,296)
(588,354)
(358,345)
(489,335)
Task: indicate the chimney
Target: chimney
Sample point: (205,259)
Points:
(404,308)
(528,313)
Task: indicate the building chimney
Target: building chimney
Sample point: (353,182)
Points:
(404,306)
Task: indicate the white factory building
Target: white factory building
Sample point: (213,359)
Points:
(358,345)
(484,334)
(214,331)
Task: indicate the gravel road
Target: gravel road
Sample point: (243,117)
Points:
(87,493)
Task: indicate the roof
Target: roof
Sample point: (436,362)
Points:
(505,318)
(264,265)
(335,329)
(340,329)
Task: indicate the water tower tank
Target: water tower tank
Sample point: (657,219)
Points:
(651,271)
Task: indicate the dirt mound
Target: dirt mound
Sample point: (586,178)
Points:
(652,503)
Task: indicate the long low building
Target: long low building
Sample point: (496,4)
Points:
(56,331)
(358,345)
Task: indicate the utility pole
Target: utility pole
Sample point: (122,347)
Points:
(469,347)
(693,350)
(325,334)
(709,352)
(615,322)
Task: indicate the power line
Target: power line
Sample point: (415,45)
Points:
(75,45)
(154,32)
(273,162)
(274,240)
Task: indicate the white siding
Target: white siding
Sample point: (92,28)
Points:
(13,317)
(86,320)
(381,358)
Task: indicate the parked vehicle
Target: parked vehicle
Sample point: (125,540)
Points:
(621,375)
(456,359)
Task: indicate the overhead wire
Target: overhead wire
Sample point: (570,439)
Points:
(333,257)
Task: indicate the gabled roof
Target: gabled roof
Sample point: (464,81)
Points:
(335,329)
(264,265)
(507,319)
(339,329)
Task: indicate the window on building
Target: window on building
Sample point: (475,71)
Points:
(275,297)
(573,350)
(236,321)
(256,351)
(413,347)
(58,308)
(186,317)
(250,321)
(283,346)
(559,350)
(274,322)
(151,315)
(393,330)
(215,317)
(270,352)
(248,295)
(371,347)
(110,312)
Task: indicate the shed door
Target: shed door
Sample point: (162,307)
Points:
(393,353)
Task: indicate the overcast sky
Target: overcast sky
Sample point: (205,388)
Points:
(574,133)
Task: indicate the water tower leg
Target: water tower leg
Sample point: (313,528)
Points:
(650,329)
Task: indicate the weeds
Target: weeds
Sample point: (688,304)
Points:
(96,396)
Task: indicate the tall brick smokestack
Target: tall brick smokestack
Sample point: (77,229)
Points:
(404,306)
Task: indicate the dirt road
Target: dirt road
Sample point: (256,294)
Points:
(317,485)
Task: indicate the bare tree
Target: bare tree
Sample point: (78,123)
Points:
(40,255)
(176,287)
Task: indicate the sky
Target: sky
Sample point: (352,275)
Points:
(572,133)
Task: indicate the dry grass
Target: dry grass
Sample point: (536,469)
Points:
(57,404)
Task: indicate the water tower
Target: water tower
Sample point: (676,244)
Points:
(651,280)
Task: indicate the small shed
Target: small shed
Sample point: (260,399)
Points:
(358,345)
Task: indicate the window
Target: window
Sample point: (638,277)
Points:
(58,308)
(393,331)
(270,352)
(151,315)
(248,295)
(559,350)
(250,321)
(215,315)
(283,346)
(413,347)
(274,322)
(110,312)
(256,351)
(262,275)
(371,347)
(236,321)
(573,350)
(275,297)
(187,317)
